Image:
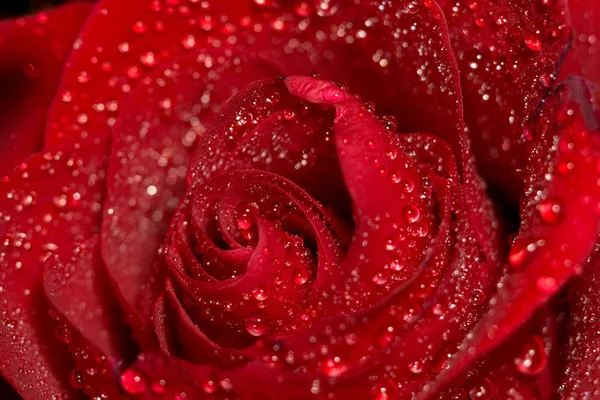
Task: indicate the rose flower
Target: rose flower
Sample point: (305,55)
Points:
(288,199)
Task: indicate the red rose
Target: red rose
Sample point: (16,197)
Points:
(187,212)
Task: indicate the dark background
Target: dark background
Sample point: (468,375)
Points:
(19,7)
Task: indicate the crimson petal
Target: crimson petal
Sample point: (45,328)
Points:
(51,200)
(89,316)
(541,262)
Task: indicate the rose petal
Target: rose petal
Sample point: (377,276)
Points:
(508,53)
(33,50)
(154,135)
(81,295)
(106,64)
(582,370)
(51,200)
(541,260)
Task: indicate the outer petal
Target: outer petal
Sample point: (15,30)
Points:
(106,63)
(50,201)
(85,306)
(565,175)
(33,51)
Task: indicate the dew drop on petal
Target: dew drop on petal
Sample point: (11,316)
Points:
(256,324)
(260,294)
(546,284)
(482,390)
(75,379)
(531,358)
(521,253)
(551,210)
(132,381)
(300,275)
(533,41)
(411,213)
(333,367)
(209,387)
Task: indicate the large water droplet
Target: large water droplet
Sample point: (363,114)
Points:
(482,390)
(551,210)
(522,251)
(256,324)
(411,213)
(300,275)
(531,358)
(133,381)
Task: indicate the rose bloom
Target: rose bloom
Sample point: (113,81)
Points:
(298,199)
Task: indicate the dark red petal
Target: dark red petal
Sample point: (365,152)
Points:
(87,311)
(582,371)
(32,55)
(508,53)
(541,260)
(51,200)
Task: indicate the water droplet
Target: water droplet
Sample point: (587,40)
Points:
(477,297)
(260,294)
(188,42)
(139,27)
(209,387)
(75,379)
(333,367)
(533,41)
(531,358)
(63,334)
(29,200)
(408,186)
(133,382)
(551,210)
(416,367)
(300,275)
(522,252)
(385,337)
(411,213)
(390,123)
(395,177)
(148,59)
(158,386)
(546,284)
(256,324)
(325,8)
(380,278)
(333,94)
(482,390)
(123,48)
